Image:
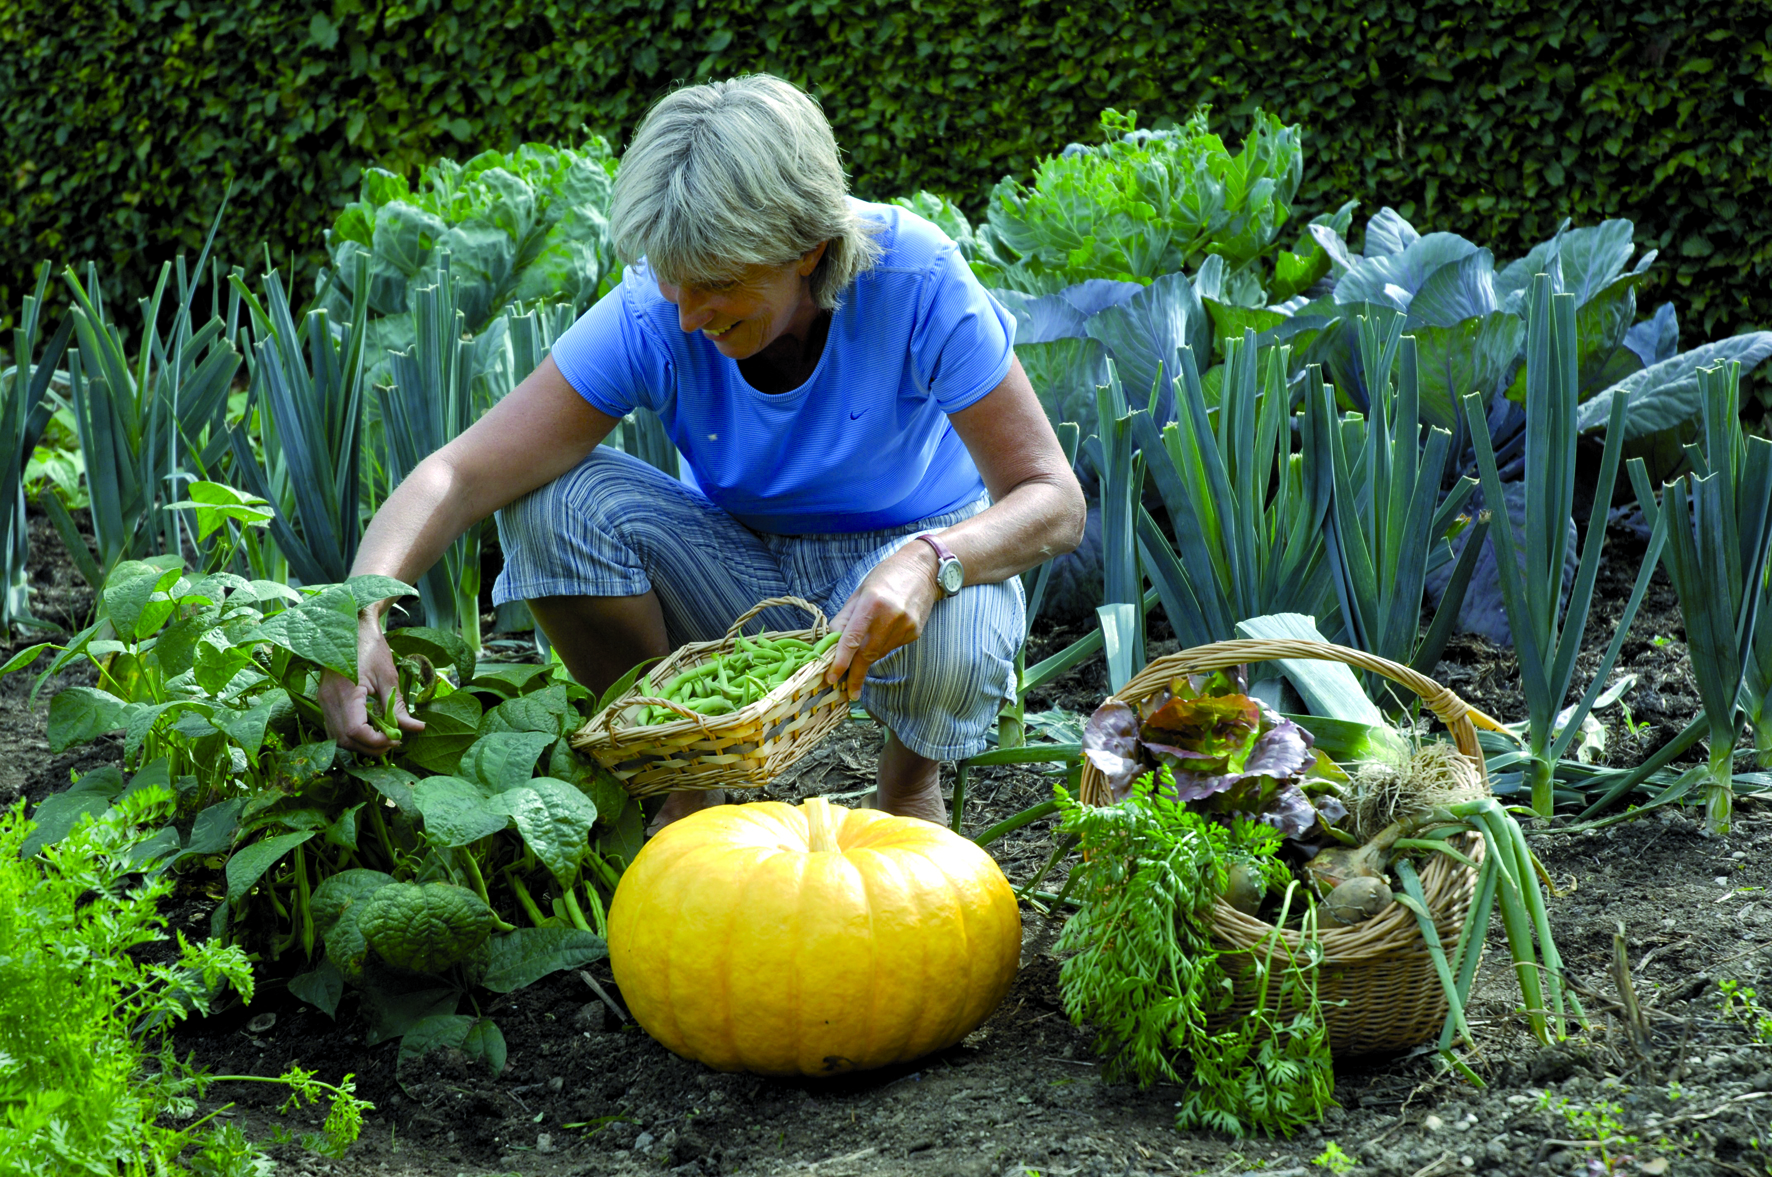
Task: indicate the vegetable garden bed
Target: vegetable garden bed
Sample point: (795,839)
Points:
(582,1093)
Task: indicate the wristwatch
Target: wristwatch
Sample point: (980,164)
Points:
(950,574)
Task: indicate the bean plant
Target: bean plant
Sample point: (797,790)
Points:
(479,855)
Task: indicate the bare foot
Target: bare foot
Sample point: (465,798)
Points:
(682,803)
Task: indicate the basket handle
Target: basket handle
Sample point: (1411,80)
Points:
(819,624)
(1460,718)
(609,712)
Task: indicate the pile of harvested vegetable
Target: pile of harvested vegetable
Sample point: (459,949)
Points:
(1218,799)
(732,681)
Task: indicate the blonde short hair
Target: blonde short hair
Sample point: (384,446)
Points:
(730,174)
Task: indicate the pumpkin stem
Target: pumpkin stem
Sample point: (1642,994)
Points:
(821,823)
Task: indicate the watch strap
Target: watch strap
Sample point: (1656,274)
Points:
(944,558)
(941,550)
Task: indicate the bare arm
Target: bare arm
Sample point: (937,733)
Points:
(538,432)
(1037,509)
(528,439)
(1037,512)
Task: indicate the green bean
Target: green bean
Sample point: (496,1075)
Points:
(730,681)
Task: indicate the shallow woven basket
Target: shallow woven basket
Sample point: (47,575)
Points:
(746,749)
(1376,981)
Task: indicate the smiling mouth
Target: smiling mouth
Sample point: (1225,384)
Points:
(721,333)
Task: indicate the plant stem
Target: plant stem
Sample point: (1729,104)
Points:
(1542,772)
(1515,917)
(1719,787)
(1010,824)
(960,768)
(601,868)
(1064,847)
(381,832)
(302,906)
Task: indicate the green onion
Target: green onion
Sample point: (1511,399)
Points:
(1386,526)
(1547,639)
(1718,523)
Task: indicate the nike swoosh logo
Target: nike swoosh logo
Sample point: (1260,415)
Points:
(853,416)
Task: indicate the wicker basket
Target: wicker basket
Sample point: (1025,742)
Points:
(1376,981)
(746,749)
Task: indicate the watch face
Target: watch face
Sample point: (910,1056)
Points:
(950,576)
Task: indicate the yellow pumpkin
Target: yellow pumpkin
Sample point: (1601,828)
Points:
(811,940)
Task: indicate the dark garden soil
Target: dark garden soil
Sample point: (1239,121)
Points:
(586,1093)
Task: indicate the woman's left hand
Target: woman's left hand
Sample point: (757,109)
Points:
(887,611)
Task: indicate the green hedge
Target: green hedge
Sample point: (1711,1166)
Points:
(123,122)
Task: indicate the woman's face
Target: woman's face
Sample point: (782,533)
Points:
(747,314)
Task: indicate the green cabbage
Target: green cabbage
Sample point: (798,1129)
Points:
(519,228)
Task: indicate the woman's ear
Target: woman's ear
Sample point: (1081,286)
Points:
(810,259)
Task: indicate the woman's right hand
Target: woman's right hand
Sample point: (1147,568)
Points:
(346,703)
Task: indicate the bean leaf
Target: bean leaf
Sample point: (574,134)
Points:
(555,819)
(504,759)
(317,634)
(247,867)
(457,812)
(525,956)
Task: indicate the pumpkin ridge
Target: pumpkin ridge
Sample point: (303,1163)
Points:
(740,904)
(911,863)
(883,877)
(957,1010)
(667,959)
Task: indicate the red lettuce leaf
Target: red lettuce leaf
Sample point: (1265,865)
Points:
(1110,741)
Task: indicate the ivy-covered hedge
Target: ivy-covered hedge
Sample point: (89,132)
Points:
(122,122)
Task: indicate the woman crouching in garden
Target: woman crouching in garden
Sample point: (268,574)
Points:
(847,401)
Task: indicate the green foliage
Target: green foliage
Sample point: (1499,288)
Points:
(1547,634)
(1248,526)
(123,125)
(377,873)
(1146,973)
(1386,524)
(1743,1004)
(88,1069)
(1718,522)
(147,423)
(1142,204)
(518,228)
(25,415)
(1334,1160)
(424,929)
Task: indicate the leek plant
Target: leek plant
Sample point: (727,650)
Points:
(307,382)
(438,387)
(1248,531)
(1505,879)
(1121,471)
(1718,521)
(24,414)
(146,427)
(1386,523)
(1546,643)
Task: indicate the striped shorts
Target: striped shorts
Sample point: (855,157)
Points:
(616,527)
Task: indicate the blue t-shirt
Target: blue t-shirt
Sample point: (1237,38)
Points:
(865,443)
